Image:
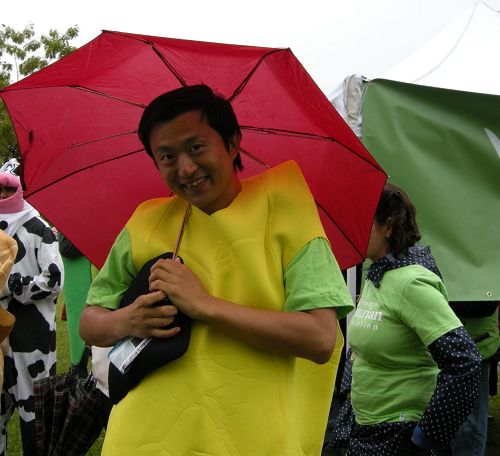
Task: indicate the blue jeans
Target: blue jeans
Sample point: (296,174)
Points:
(470,439)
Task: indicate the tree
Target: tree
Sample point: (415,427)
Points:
(21,54)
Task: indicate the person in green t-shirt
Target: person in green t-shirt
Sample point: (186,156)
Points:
(415,368)
(77,280)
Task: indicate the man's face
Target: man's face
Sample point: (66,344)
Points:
(194,162)
(6,192)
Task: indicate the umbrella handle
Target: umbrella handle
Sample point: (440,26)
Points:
(181,231)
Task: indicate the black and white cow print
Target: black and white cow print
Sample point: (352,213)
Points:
(30,294)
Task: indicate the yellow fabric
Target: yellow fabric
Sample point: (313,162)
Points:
(224,397)
(8,252)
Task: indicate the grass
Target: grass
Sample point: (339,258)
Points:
(14,441)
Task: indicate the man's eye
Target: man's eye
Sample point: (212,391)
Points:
(167,157)
(197,148)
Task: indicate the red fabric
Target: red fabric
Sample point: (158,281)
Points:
(84,168)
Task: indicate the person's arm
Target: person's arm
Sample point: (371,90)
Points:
(456,389)
(67,248)
(100,324)
(49,280)
(307,334)
(103,327)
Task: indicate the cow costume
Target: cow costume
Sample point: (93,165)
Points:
(30,294)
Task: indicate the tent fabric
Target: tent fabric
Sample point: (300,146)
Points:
(463,56)
(437,145)
(348,101)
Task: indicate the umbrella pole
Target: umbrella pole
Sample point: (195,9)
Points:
(181,231)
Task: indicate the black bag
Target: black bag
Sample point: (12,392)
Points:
(157,352)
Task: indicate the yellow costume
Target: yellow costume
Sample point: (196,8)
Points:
(224,397)
(8,252)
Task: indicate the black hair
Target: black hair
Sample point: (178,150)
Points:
(215,108)
(395,204)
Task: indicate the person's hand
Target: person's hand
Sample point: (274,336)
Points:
(181,285)
(147,316)
(15,283)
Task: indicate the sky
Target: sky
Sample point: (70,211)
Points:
(331,38)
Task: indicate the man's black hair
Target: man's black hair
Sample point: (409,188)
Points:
(215,108)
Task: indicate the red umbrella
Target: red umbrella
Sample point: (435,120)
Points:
(85,170)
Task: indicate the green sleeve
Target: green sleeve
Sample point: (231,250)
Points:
(115,276)
(485,329)
(313,281)
(425,309)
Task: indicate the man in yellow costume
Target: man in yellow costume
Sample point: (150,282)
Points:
(259,281)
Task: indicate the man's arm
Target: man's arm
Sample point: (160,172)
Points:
(307,334)
(104,327)
(100,325)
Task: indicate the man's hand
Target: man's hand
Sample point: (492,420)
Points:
(148,317)
(143,318)
(181,285)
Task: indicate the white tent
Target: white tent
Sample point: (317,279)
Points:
(463,56)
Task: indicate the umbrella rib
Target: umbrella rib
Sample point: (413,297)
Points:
(254,157)
(340,229)
(84,143)
(167,64)
(82,169)
(238,89)
(299,134)
(156,51)
(83,89)
(280,132)
(103,94)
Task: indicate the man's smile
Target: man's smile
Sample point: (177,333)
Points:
(194,184)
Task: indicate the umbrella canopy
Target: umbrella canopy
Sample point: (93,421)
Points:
(85,169)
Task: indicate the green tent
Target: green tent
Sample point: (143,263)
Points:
(442,146)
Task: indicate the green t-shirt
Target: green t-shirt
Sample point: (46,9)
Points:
(312,280)
(394,375)
(478,328)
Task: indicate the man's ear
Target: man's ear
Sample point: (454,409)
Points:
(234,144)
(388,227)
